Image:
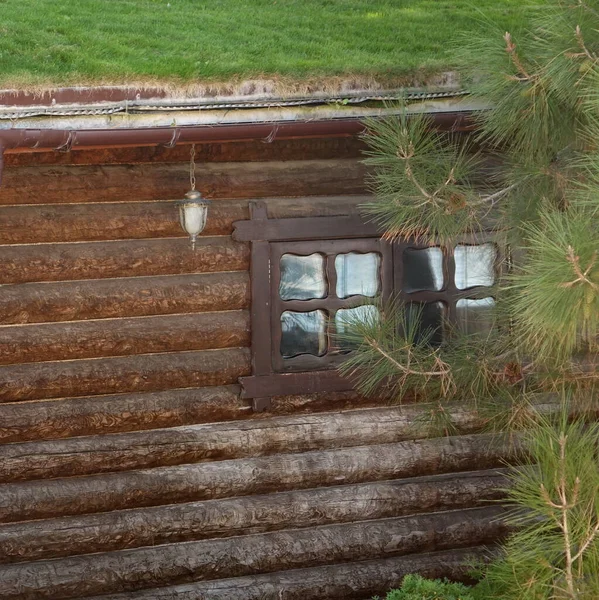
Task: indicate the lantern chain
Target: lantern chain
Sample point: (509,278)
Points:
(192,167)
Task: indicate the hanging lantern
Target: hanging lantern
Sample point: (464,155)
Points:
(193,209)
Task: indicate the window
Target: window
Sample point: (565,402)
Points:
(317,287)
(448,286)
(310,277)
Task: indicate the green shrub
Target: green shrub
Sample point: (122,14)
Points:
(415,587)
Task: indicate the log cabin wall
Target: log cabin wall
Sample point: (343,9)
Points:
(129,465)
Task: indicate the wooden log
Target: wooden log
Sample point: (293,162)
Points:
(98,221)
(346,581)
(183,483)
(217,441)
(121,337)
(144,372)
(68,417)
(66,184)
(102,260)
(68,536)
(129,570)
(250,150)
(125,297)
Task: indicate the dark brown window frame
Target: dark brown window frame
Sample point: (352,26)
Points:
(270,238)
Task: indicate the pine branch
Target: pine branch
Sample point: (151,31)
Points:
(582,45)
(582,276)
(510,48)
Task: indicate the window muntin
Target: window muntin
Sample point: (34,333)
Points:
(318,288)
(459,277)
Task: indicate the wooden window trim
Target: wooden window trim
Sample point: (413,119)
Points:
(270,238)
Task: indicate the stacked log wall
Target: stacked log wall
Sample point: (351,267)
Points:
(126,451)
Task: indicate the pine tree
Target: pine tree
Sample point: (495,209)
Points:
(531,171)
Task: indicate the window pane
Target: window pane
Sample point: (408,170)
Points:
(302,277)
(346,317)
(422,270)
(430,316)
(303,333)
(357,274)
(475,316)
(474,265)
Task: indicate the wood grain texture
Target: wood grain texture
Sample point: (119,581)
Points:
(184,483)
(102,260)
(68,536)
(258,150)
(144,372)
(218,441)
(128,570)
(125,297)
(67,184)
(122,337)
(345,581)
(98,221)
(68,417)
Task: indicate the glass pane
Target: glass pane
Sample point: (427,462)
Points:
(430,325)
(346,317)
(303,333)
(302,277)
(422,270)
(475,316)
(475,265)
(357,274)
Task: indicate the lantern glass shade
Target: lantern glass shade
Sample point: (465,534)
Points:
(193,211)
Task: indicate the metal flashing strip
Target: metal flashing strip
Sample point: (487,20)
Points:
(138,106)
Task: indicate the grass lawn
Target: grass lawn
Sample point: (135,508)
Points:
(61,42)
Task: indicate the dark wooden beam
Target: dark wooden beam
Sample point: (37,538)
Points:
(240,151)
(344,227)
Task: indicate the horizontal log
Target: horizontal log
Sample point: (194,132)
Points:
(69,417)
(240,477)
(67,184)
(98,221)
(125,297)
(102,260)
(129,570)
(144,372)
(217,441)
(121,337)
(251,150)
(69,536)
(345,581)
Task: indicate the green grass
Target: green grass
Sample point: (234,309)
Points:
(60,42)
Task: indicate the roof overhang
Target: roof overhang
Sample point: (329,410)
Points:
(85,118)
